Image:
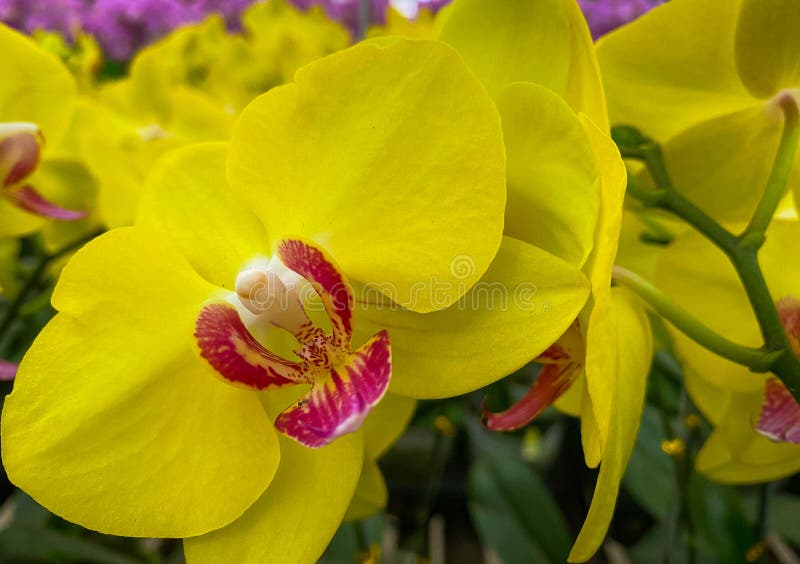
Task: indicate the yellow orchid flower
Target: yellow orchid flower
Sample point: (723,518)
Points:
(167,330)
(36,102)
(537,59)
(755,417)
(82,57)
(135,121)
(706,78)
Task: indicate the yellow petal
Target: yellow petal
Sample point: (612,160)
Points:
(723,164)
(546,42)
(15,222)
(767,45)
(673,67)
(584,91)
(397,187)
(600,365)
(717,460)
(36,87)
(783,276)
(370,496)
(553,187)
(525,301)
(297,516)
(115,423)
(507,41)
(636,347)
(186,198)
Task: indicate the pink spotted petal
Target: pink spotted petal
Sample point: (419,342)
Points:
(19,156)
(232,351)
(8,370)
(338,404)
(553,381)
(27,198)
(780,414)
(311,263)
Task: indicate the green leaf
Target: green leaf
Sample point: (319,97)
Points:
(721,527)
(783,516)
(29,539)
(513,510)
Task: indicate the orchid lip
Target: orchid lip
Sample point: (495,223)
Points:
(345,383)
(779,419)
(562,363)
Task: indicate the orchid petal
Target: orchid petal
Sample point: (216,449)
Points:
(553,191)
(552,381)
(36,87)
(297,516)
(767,44)
(635,343)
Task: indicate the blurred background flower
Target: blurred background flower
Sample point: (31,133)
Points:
(606,15)
(122,27)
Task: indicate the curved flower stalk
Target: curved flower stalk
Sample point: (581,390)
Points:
(36,104)
(712,99)
(341,198)
(755,417)
(564,171)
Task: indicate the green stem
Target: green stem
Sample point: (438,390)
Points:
(742,251)
(756,359)
(675,202)
(779,176)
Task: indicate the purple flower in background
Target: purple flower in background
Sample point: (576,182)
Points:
(64,16)
(606,15)
(8,370)
(231,10)
(346,12)
(121,26)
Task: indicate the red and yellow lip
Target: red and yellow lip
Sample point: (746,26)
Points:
(345,384)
